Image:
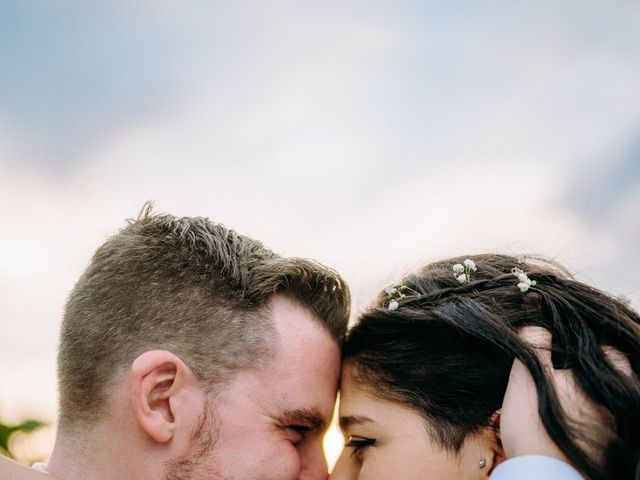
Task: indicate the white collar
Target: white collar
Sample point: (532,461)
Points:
(41,467)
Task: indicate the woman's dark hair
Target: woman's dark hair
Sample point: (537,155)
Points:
(447,349)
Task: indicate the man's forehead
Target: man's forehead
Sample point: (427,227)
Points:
(307,354)
(302,380)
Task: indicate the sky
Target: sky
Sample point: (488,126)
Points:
(373,136)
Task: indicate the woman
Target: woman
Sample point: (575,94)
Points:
(426,371)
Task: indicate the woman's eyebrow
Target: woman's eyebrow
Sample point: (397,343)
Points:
(350,420)
(307,418)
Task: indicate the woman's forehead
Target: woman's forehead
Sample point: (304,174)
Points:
(359,406)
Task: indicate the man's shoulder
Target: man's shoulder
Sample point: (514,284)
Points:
(10,470)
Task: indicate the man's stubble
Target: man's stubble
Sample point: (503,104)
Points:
(196,463)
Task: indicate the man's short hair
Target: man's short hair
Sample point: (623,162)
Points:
(189,286)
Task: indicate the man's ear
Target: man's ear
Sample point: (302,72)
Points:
(494,444)
(157,378)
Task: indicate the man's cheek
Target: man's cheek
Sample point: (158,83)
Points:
(280,462)
(261,459)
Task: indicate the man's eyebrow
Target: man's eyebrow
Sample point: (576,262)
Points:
(348,421)
(311,419)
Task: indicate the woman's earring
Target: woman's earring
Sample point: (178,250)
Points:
(483,462)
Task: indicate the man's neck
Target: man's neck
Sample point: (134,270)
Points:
(97,457)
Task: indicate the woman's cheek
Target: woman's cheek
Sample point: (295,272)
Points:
(371,470)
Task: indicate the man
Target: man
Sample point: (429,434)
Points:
(188,351)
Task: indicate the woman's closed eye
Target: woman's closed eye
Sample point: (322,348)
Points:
(359,444)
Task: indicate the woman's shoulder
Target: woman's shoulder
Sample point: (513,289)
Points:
(530,467)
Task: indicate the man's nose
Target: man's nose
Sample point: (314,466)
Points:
(314,463)
(345,468)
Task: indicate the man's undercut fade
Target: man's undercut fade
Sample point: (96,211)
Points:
(189,286)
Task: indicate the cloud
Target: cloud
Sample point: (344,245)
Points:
(371,138)
(601,189)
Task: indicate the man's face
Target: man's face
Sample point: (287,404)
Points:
(268,424)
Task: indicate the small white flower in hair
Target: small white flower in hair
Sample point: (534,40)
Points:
(462,278)
(462,271)
(623,299)
(471,265)
(524,282)
(398,293)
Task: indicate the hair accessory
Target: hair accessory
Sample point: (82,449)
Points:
(623,299)
(483,462)
(462,271)
(398,293)
(524,282)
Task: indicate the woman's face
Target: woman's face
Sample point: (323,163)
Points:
(385,440)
